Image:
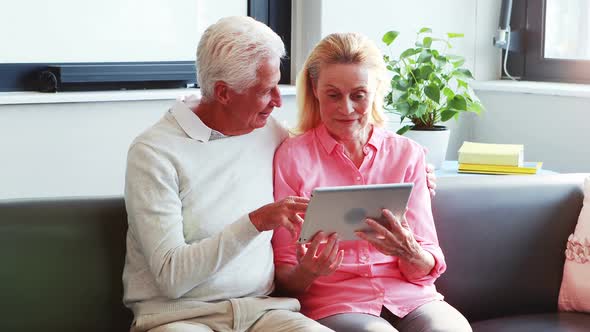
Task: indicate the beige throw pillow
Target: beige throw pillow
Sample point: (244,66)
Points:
(574,294)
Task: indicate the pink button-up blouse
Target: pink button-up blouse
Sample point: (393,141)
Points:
(367,280)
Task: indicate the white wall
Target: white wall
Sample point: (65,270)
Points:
(476,19)
(107,30)
(76,149)
(553,129)
(69,149)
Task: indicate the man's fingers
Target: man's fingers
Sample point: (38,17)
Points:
(297,207)
(296,220)
(290,227)
(298,199)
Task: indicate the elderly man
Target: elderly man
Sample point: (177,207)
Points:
(199,197)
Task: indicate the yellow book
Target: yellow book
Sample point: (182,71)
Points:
(526,168)
(491,154)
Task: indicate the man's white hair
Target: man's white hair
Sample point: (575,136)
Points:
(231,50)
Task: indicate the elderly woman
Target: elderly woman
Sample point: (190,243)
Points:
(384,281)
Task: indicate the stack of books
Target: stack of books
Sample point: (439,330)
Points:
(485,158)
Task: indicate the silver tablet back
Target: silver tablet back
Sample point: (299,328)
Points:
(343,209)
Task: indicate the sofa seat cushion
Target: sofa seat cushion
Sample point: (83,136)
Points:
(551,322)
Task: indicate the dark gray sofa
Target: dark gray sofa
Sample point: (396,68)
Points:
(504,239)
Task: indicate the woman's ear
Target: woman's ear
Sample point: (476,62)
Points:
(313,88)
(222,92)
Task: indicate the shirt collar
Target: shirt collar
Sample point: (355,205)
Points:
(190,122)
(329,143)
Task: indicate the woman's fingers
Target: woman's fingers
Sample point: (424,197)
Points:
(333,253)
(312,250)
(301,251)
(404,222)
(365,236)
(391,219)
(328,247)
(338,261)
(379,229)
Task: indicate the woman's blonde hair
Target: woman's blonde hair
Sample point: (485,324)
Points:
(338,48)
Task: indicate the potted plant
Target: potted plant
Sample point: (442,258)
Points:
(428,87)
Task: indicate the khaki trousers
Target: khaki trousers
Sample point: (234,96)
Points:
(255,314)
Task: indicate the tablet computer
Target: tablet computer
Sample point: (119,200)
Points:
(343,209)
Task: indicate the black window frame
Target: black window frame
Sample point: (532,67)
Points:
(277,15)
(530,64)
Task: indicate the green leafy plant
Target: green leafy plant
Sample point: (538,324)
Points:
(428,85)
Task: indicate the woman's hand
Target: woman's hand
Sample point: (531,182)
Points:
(430,179)
(399,241)
(315,262)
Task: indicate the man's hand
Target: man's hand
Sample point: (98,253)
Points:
(430,179)
(314,262)
(282,213)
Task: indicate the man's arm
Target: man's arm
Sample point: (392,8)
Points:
(155,221)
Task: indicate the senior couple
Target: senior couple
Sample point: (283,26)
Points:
(213,221)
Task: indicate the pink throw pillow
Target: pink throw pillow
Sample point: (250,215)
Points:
(574,294)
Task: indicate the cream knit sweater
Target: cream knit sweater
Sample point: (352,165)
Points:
(190,239)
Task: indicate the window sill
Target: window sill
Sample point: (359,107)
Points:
(33,97)
(537,88)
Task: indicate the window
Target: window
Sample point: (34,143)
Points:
(141,44)
(555,40)
(277,15)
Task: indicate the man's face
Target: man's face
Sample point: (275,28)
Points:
(253,106)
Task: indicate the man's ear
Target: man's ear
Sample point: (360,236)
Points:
(222,92)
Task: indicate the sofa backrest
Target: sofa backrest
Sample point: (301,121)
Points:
(504,240)
(503,237)
(61,265)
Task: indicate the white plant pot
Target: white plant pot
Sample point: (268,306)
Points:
(436,142)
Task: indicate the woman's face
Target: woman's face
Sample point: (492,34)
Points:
(345,93)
